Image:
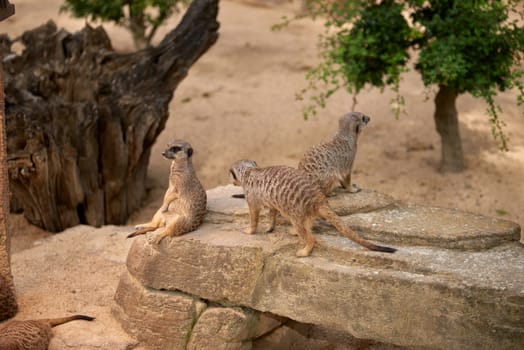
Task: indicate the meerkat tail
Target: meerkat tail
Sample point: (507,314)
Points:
(140,232)
(58,321)
(328,214)
(240,195)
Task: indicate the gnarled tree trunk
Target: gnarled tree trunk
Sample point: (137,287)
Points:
(446,121)
(81,119)
(8,305)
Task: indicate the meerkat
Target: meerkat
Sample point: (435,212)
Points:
(185,201)
(32,334)
(295,195)
(8,305)
(330,163)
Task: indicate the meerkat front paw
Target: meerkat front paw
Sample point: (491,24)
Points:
(354,189)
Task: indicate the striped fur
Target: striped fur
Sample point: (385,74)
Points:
(331,163)
(32,334)
(293,194)
(185,201)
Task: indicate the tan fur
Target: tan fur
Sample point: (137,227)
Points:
(331,163)
(32,334)
(185,201)
(295,195)
(8,305)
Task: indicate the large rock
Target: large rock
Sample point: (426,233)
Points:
(167,320)
(421,296)
(447,228)
(162,319)
(225,328)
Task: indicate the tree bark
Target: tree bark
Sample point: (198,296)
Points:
(81,119)
(8,305)
(446,121)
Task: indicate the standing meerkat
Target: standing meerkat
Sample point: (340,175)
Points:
(295,195)
(32,334)
(185,201)
(330,163)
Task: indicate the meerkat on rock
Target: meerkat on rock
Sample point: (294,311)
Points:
(330,163)
(32,334)
(185,201)
(295,195)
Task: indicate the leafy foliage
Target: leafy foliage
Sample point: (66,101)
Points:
(472,46)
(135,15)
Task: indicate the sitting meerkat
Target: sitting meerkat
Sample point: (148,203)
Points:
(294,194)
(185,201)
(330,163)
(32,334)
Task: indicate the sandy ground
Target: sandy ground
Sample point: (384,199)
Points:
(238,101)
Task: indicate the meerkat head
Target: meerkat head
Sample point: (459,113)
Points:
(238,170)
(178,149)
(352,123)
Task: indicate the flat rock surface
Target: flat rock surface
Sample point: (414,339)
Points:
(447,228)
(379,217)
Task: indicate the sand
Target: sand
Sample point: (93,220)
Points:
(238,101)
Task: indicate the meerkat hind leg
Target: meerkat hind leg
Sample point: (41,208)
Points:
(141,231)
(159,237)
(272,219)
(304,232)
(157,221)
(175,227)
(254,213)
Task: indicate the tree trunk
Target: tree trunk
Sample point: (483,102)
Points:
(8,305)
(446,121)
(137,27)
(81,119)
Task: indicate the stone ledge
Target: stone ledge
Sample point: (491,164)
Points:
(158,319)
(174,320)
(379,217)
(441,227)
(422,296)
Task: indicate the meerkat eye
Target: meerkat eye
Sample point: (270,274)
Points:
(176,149)
(189,152)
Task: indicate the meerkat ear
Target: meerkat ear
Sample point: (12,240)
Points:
(232,173)
(189,152)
